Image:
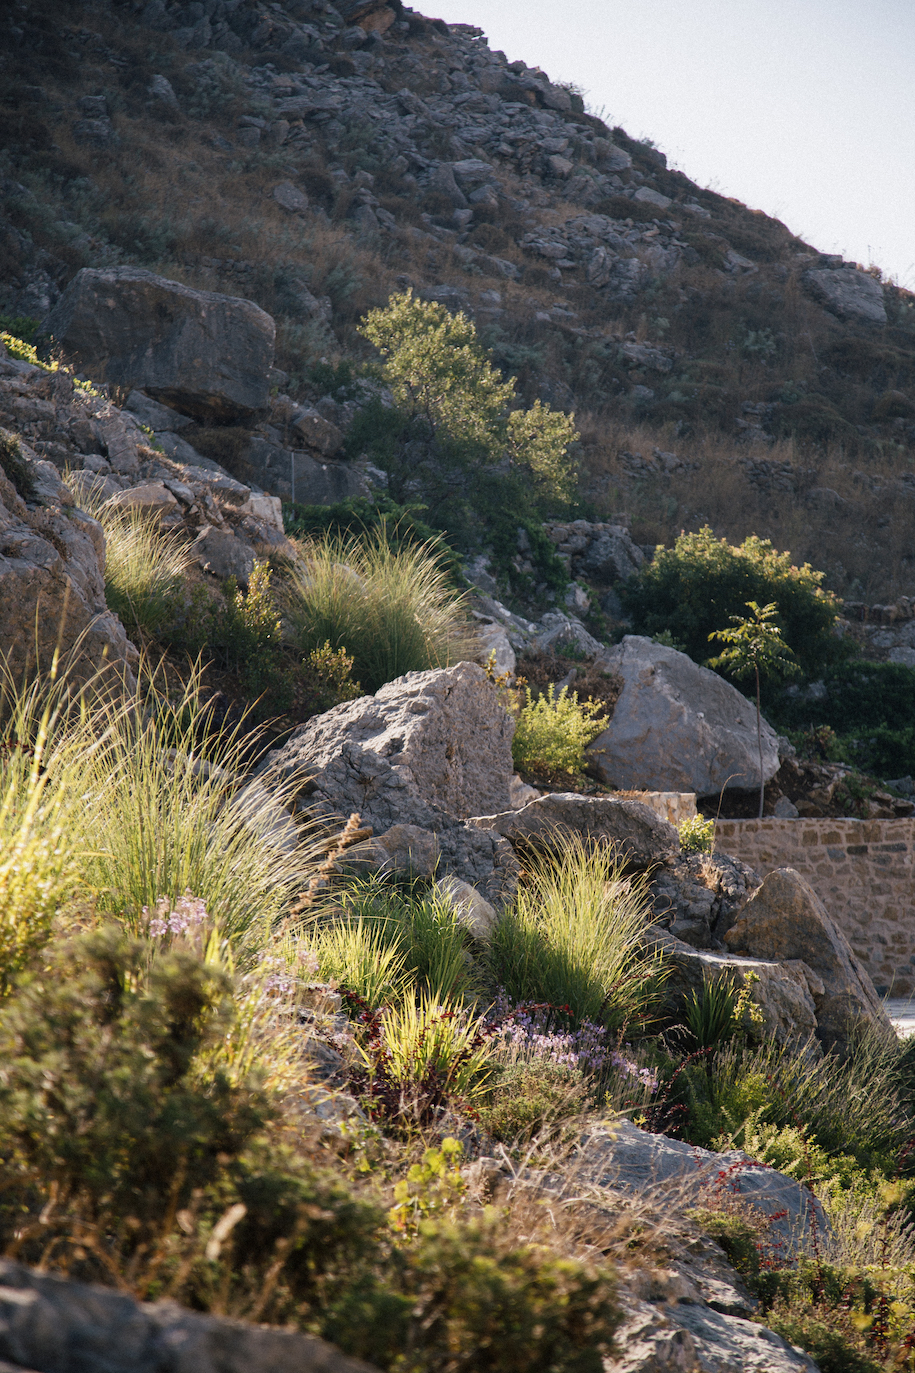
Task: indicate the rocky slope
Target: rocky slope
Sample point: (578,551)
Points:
(314,157)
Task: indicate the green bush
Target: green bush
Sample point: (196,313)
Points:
(393,610)
(869,706)
(526,1099)
(552,733)
(697,835)
(692,590)
(573,939)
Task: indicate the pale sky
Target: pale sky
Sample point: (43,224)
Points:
(802,108)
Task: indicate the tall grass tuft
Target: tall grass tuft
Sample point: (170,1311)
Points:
(159,819)
(359,958)
(425,931)
(38,800)
(394,610)
(145,566)
(573,939)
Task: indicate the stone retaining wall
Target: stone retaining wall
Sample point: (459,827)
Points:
(862,870)
(675,806)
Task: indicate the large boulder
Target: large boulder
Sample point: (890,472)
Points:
(678,726)
(696,896)
(207,355)
(633,830)
(784,919)
(628,1159)
(52,585)
(784,991)
(426,751)
(848,293)
(50,1322)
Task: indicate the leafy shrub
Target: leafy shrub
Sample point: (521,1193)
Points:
(18,329)
(157,1126)
(531,1098)
(393,610)
(552,733)
(697,835)
(870,709)
(692,589)
(246,635)
(326,677)
(572,939)
(485,1304)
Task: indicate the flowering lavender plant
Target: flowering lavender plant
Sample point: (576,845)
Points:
(524,1032)
(188,915)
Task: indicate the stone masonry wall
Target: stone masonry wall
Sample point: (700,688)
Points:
(862,870)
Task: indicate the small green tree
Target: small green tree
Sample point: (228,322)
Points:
(756,645)
(440,373)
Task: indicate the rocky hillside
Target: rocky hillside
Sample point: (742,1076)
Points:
(314,157)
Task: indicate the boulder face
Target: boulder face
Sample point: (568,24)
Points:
(207,355)
(640,837)
(425,751)
(52,587)
(848,293)
(784,919)
(678,726)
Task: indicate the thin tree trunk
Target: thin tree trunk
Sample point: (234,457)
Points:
(762,780)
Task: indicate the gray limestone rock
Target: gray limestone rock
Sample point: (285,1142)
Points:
(848,293)
(223,554)
(49,1322)
(208,355)
(52,582)
(677,726)
(425,751)
(641,837)
(785,919)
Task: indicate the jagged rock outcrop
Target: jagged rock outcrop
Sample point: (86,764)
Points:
(423,752)
(784,919)
(677,726)
(208,355)
(52,558)
(848,292)
(630,828)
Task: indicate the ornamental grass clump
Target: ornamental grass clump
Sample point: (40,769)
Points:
(573,939)
(145,566)
(158,818)
(39,800)
(393,609)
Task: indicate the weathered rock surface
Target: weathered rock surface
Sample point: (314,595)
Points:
(785,919)
(50,1323)
(640,837)
(848,293)
(697,896)
(784,992)
(628,1159)
(690,1337)
(52,590)
(424,751)
(207,355)
(677,726)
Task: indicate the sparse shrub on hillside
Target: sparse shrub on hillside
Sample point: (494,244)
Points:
(394,610)
(445,384)
(696,835)
(869,715)
(690,590)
